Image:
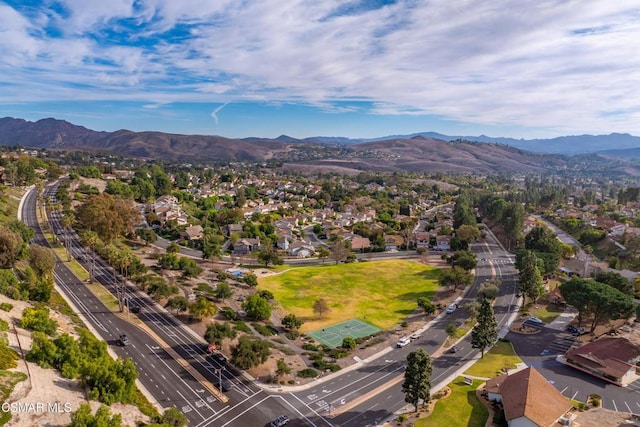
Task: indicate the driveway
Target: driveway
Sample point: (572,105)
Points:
(540,351)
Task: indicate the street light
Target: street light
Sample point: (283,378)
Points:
(220,379)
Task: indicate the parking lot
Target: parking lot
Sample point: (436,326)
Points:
(540,351)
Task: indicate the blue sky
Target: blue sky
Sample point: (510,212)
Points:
(303,68)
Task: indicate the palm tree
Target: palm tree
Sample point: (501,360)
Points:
(91,239)
(67,220)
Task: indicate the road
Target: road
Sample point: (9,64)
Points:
(164,377)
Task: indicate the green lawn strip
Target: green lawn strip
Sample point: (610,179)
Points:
(104,295)
(461,408)
(501,356)
(545,312)
(382,293)
(8,380)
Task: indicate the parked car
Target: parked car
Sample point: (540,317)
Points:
(280,421)
(414,337)
(403,342)
(134,308)
(535,320)
(223,386)
(124,340)
(452,308)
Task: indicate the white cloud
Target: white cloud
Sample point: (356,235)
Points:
(567,65)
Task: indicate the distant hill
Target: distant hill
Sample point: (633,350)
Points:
(419,152)
(569,145)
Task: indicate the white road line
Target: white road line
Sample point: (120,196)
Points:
(311,409)
(562,391)
(224,411)
(629,408)
(614,405)
(574,396)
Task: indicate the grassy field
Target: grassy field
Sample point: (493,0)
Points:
(9,200)
(501,356)
(460,408)
(545,312)
(382,292)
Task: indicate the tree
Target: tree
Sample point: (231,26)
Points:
(291,321)
(617,281)
(257,308)
(417,378)
(83,417)
(202,308)
(320,307)
(37,319)
(42,260)
(109,216)
(454,277)
(339,251)
(173,248)
(529,277)
(269,256)
(172,417)
(147,235)
(178,303)
(426,304)
(323,253)
(467,233)
(250,352)
(10,244)
(464,259)
(282,368)
(217,332)
(251,280)
(489,289)
(223,291)
(485,332)
(596,299)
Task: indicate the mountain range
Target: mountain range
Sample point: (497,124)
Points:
(415,152)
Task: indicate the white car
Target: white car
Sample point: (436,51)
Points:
(403,342)
(535,320)
(452,308)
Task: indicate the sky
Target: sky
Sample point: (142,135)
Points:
(358,69)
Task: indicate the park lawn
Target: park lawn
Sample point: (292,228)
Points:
(382,293)
(501,356)
(545,312)
(461,408)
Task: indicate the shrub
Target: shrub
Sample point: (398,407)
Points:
(264,330)
(309,347)
(333,367)
(229,313)
(339,353)
(348,343)
(292,335)
(6,306)
(4,326)
(404,324)
(308,373)
(451,329)
(243,327)
(37,319)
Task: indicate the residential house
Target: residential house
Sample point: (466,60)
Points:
(359,243)
(393,242)
(231,229)
(421,239)
(443,243)
(528,399)
(610,359)
(246,245)
(193,232)
(301,249)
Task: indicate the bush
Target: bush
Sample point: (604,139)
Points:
(404,324)
(5,306)
(229,313)
(37,319)
(265,330)
(242,327)
(4,326)
(292,335)
(451,329)
(263,293)
(348,343)
(333,367)
(339,353)
(308,373)
(309,347)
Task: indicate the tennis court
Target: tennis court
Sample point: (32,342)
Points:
(332,336)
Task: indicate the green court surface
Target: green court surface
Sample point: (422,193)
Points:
(332,336)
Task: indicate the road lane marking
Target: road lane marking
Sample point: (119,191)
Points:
(628,407)
(614,405)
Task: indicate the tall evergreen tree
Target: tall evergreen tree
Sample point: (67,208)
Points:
(485,332)
(529,277)
(417,378)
